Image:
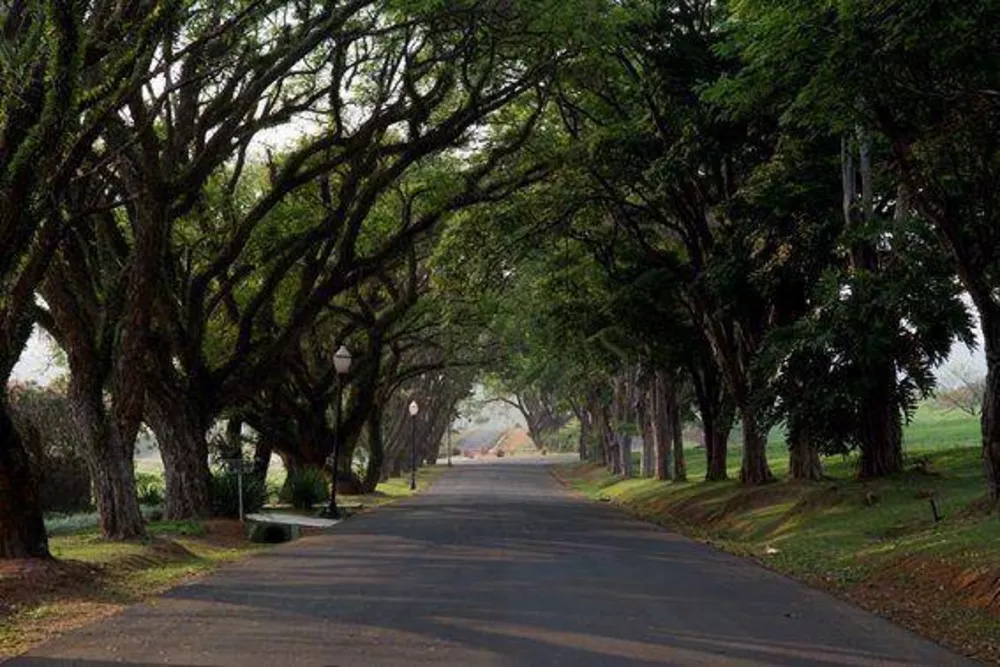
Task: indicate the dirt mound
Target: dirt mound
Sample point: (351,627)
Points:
(224,532)
(929,595)
(21,580)
(981,588)
(514,441)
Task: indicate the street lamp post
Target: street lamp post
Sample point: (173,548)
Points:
(342,364)
(414,409)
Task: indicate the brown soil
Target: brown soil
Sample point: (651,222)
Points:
(513,441)
(75,593)
(937,599)
(940,600)
(223,532)
(975,587)
(24,581)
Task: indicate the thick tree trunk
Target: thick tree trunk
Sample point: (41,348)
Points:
(624,453)
(990,417)
(804,462)
(232,447)
(717,429)
(648,448)
(292,465)
(22,530)
(717,415)
(676,430)
(661,429)
(540,417)
(754,469)
(262,457)
(111,460)
(604,441)
(583,417)
(880,430)
(180,432)
(376,451)
(584,437)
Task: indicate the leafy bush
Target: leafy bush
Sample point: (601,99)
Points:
(274,489)
(150,488)
(305,488)
(567,439)
(226,496)
(45,420)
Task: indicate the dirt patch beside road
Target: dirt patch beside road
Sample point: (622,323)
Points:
(93,579)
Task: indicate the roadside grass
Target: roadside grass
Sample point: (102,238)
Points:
(399,487)
(875,542)
(91,578)
(386,492)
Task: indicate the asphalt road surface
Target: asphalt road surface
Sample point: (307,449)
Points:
(497,565)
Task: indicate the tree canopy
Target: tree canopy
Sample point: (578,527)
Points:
(627,217)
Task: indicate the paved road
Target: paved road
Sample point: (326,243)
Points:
(497,565)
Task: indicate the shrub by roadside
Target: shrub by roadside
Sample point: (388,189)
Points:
(306,488)
(226,493)
(150,488)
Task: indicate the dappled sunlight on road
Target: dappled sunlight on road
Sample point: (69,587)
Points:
(497,565)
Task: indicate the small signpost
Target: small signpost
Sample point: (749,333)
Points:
(235,466)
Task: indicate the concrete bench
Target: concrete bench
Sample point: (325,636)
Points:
(276,528)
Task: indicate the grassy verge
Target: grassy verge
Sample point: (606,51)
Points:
(91,578)
(875,543)
(385,493)
(399,487)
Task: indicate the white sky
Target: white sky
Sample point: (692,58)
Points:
(37,365)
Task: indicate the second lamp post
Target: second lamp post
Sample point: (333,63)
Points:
(342,364)
(414,409)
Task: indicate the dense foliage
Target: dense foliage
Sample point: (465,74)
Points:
(624,219)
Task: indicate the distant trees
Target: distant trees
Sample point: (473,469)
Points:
(964,390)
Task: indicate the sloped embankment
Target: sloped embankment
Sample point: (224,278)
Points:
(874,543)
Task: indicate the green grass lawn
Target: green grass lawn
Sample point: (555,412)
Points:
(91,578)
(386,492)
(845,534)
(931,430)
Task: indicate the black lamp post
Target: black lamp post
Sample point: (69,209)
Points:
(414,409)
(342,364)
